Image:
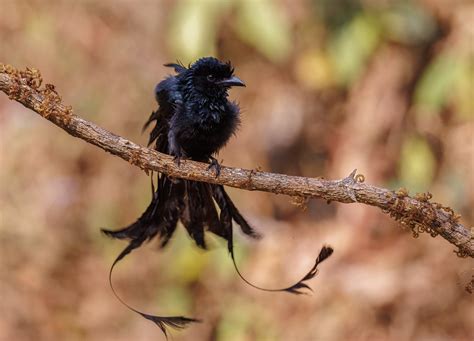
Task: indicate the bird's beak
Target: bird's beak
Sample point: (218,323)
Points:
(232,81)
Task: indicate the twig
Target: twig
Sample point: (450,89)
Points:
(417,212)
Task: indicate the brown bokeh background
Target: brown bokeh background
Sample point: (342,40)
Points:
(382,86)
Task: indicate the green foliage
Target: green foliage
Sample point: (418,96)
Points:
(448,79)
(434,88)
(417,164)
(336,13)
(263,25)
(175,299)
(188,260)
(242,319)
(464,89)
(408,23)
(194,25)
(353,45)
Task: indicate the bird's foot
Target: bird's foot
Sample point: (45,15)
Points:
(177,160)
(214,165)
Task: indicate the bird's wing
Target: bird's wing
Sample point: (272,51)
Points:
(167,94)
(169,100)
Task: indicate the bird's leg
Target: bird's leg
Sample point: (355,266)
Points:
(179,156)
(214,165)
(177,160)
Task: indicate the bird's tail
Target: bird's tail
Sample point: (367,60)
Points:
(194,203)
(191,202)
(229,212)
(160,218)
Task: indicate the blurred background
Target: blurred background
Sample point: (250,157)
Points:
(382,86)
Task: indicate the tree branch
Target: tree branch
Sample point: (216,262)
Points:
(417,212)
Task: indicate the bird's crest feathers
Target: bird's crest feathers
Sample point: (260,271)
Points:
(178,66)
(211,65)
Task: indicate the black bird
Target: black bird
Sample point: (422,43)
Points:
(194,121)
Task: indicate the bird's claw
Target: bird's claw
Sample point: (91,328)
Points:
(177,160)
(214,165)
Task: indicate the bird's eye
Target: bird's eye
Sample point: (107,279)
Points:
(211,78)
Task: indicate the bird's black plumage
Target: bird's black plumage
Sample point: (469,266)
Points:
(194,121)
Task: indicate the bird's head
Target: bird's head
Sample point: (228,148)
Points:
(213,77)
